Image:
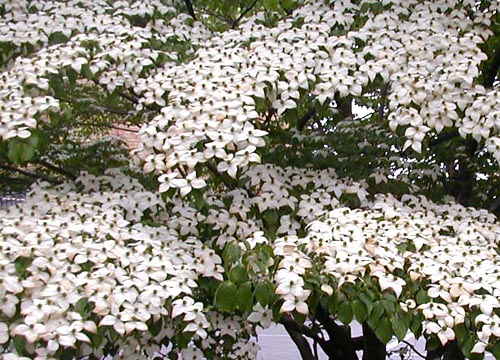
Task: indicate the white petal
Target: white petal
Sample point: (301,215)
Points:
(478,348)
(108,320)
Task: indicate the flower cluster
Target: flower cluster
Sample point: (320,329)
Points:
(76,263)
(211,106)
(451,252)
(96,41)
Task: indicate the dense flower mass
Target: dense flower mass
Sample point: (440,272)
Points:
(305,161)
(75,261)
(452,251)
(210,105)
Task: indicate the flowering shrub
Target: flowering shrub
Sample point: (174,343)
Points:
(300,162)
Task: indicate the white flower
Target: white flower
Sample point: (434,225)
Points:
(296,302)
(31,330)
(261,315)
(443,332)
(389,281)
(4,333)
(188,183)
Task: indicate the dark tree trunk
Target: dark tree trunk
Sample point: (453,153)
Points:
(450,351)
(302,344)
(339,336)
(373,348)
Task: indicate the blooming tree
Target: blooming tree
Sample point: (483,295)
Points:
(309,163)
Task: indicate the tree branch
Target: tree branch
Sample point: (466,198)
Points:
(414,349)
(302,122)
(492,71)
(190,9)
(244,13)
(56,169)
(224,18)
(344,105)
(129,97)
(302,344)
(109,126)
(102,108)
(340,336)
(30,174)
(291,324)
(213,169)
(444,137)
(383,98)
(133,98)
(373,348)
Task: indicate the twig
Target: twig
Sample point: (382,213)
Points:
(30,174)
(56,169)
(269,115)
(213,169)
(226,19)
(443,137)
(190,9)
(383,97)
(413,349)
(301,123)
(492,71)
(108,126)
(244,13)
(133,98)
(102,108)
(290,323)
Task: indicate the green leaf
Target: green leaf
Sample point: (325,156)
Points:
(57,38)
(272,5)
(377,7)
(351,290)
(226,297)
(238,274)
(333,303)
(231,254)
(245,296)
(264,253)
(367,300)
(20,344)
(81,306)
(416,325)
(375,314)
(461,333)
(495,350)
(21,264)
(345,313)
(271,217)
(360,310)
(264,293)
(155,327)
(22,150)
(400,326)
(286,4)
(66,354)
(389,306)
(421,297)
(467,346)
(97,339)
(199,200)
(383,330)
(432,343)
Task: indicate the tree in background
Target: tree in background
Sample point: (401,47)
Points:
(300,162)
